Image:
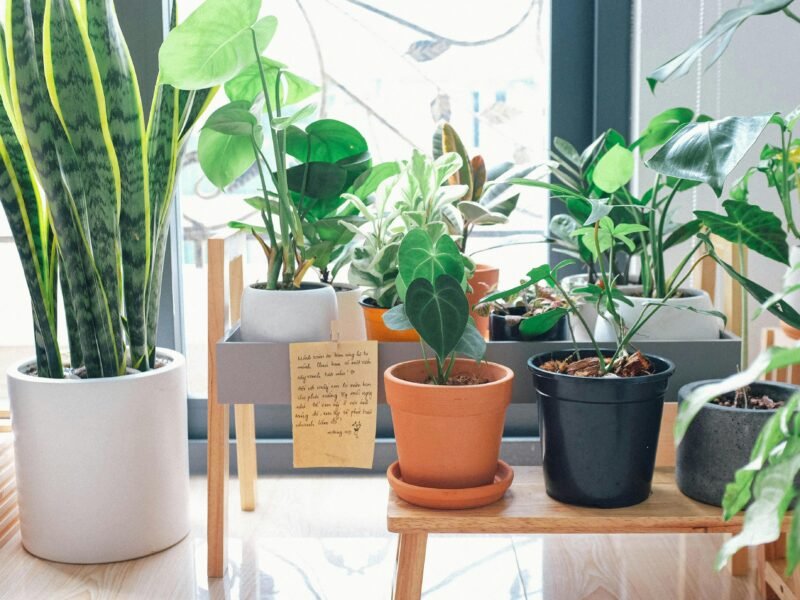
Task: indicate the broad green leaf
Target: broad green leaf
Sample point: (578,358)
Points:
(233,118)
(748,224)
(368,182)
(472,343)
(420,257)
(721,34)
(708,151)
(439,312)
(214,43)
(537,325)
(224,158)
(396,319)
(662,127)
(281,123)
(326,140)
(684,232)
(614,169)
(247,84)
(319,180)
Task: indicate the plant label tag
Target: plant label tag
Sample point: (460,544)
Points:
(334,403)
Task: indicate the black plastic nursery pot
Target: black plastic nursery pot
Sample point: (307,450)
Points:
(719,441)
(503,329)
(599,435)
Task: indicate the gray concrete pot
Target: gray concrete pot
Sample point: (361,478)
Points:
(719,441)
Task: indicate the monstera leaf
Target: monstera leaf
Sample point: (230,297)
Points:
(708,151)
(439,312)
(747,224)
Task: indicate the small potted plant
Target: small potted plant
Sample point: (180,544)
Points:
(486,202)
(534,313)
(448,412)
(415,197)
(100,436)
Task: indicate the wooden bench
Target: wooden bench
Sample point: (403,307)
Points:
(527,509)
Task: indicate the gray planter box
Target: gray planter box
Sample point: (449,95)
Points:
(258,373)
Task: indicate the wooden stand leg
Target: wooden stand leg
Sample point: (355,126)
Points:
(739,565)
(244,416)
(410,566)
(770,581)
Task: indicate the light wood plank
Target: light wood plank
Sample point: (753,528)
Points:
(665,454)
(706,277)
(410,566)
(731,291)
(246,460)
(527,508)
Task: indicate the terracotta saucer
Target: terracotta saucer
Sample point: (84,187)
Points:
(450,499)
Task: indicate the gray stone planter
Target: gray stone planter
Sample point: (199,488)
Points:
(719,442)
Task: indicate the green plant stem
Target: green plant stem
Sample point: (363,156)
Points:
(659,239)
(574,309)
(682,264)
(783,191)
(791,15)
(745,352)
(647,285)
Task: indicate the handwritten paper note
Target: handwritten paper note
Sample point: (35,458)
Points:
(334,403)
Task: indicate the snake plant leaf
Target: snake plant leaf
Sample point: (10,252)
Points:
(76,91)
(214,43)
(125,117)
(325,140)
(536,325)
(438,311)
(721,33)
(421,257)
(247,84)
(59,170)
(751,225)
(193,104)
(614,169)
(708,151)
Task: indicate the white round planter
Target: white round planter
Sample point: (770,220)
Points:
(668,323)
(102,465)
(302,315)
(588,311)
(351,315)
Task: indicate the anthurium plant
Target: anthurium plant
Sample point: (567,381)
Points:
(435,301)
(86,182)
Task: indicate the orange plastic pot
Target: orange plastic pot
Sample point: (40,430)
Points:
(483,282)
(448,437)
(378,331)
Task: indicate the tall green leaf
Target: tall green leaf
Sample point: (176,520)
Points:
(439,312)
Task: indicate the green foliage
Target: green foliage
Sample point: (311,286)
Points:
(614,169)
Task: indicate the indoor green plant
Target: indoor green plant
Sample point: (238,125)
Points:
(231,142)
(448,412)
(512,318)
(96,228)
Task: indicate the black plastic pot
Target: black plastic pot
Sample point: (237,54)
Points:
(599,435)
(502,329)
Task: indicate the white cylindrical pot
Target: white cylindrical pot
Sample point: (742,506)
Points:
(669,322)
(588,311)
(102,465)
(301,315)
(351,315)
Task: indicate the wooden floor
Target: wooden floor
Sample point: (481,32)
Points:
(325,538)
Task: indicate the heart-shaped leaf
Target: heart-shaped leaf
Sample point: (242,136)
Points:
(320,180)
(421,257)
(439,312)
(613,170)
(536,325)
(708,151)
(233,118)
(326,140)
(748,224)
(214,43)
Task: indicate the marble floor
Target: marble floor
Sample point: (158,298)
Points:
(325,538)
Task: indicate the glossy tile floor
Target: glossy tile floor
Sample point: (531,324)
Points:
(324,538)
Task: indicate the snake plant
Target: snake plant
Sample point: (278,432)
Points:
(86,183)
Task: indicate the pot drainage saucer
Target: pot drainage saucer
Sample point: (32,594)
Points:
(450,499)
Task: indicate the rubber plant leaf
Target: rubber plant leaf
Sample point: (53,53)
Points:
(214,43)
(708,151)
(751,225)
(446,139)
(439,312)
(721,33)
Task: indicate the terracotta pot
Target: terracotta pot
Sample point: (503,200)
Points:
(378,331)
(483,282)
(790,331)
(448,437)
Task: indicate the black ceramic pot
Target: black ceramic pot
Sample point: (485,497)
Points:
(502,329)
(719,440)
(599,435)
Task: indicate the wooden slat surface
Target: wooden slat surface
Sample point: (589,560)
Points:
(526,508)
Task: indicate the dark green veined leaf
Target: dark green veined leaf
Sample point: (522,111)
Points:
(708,151)
(748,224)
(355,166)
(421,257)
(536,325)
(247,84)
(320,180)
(614,169)
(214,43)
(684,232)
(720,33)
(438,311)
(74,83)
(326,140)
(125,117)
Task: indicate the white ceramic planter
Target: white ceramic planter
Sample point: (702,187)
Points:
(668,323)
(303,315)
(351,315)
(588,311)
(102,465)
